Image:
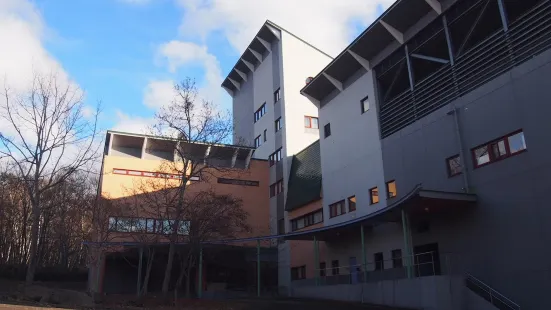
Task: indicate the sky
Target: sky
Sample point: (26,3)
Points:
(127,54)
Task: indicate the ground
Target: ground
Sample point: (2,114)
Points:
(49,296)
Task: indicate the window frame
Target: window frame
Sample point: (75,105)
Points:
(322,269)
(265,135)
(258,141)
(309,219)
(276,188)
(388,191)
(362,101)
(277,124)
(371,202)
(310,118)
(342,208)
(489,145)
(275,157)
(335,268)
(326,130)
(448,167)
(277,95)
(348,200)
(397,261)
(257,115)
(379,264)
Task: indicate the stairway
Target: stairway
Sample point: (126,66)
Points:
(489,294)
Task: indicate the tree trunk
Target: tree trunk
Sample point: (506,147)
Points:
(150,260)
(168,269)
(34,243)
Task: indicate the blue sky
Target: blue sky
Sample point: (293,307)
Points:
(127,53)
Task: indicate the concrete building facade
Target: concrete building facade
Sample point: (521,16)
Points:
(453,139)
(270,114)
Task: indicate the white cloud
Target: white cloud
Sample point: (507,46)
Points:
(179,54)
(327,24)
(159,93)
(133,124)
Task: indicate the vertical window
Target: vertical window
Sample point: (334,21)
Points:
(257,141)
(327,130)
(260,112)
(391,189)
(379,261)
(374,195)
(335,267)
(265,135)
(311,122)
(337,209)
(454,165)
(322,269)
(351,203)
(276,188)
(397,258)
(277,96)
(364,103)
(281,226)
(275,157)
(298,273)
(499,149)
(150,225)
(278,124)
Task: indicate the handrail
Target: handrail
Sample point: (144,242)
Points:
(493,293)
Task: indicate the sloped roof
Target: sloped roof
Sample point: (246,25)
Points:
(305,178)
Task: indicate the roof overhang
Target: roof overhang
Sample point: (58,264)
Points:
(419,203)
(252,57)
(394,27)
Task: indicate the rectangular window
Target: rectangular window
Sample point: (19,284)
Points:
(374,195)
(379,261)
(276,188)
(265,135)
(277,124)
(337,209)
(499,149)
(322,269)
(311,122)
(335,267)
(275,157)
(298,273)
(257,141)
(260,112)
(113,224)
(397,258)
(364,103)
(454,165)
(391,189)
(327,130)
(150,225)
(281,226)
(309,219)
(277,96)
(351,203)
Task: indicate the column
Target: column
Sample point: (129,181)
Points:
(200,286)
(407,245)
(364,257)
(258,268)
(316,261)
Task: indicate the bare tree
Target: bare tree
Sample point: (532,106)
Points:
(190,120)
(48,139)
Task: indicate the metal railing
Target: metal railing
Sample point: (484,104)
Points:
(494,297)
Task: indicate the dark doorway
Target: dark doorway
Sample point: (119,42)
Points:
(427,260)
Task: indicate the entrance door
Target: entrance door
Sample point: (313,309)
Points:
(353,270)
(427,260)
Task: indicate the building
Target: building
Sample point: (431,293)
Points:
(433,142)
(136,214)
(270,114)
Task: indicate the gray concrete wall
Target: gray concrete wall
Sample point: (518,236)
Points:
(505,240)
(243,112)
(428,293)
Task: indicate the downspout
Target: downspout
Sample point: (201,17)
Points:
(455,111)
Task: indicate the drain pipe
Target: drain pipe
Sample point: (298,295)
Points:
(455,111)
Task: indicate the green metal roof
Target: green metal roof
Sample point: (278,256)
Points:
(305,178)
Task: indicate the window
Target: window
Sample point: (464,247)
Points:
(391,189)
(150,225)
(298,273)
(379,261)
(327,130)
(364,103)
(276,188)
(351,203)
(374,195)
(337,209)
(499,149)
(257,141)
(335,267)
(281,226)
(311,122)
(278,124)
(322,269)
(454,165)
(265,135)
(275,157)
(260,112)
(397,258)
(277,96)
(309,219)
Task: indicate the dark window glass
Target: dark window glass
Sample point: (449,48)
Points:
(397,258)
(364,104)
(335,267)
(322,269)
(454,165)
(327,130)
(379,262)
